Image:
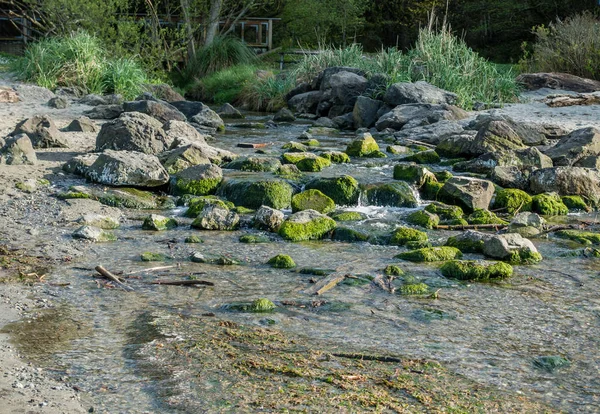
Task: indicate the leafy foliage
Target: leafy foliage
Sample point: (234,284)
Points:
(224,52)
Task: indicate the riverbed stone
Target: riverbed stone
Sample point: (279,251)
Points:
(282,261)
(306,161)
(229,111)
(179,159)
(431,254)
(343,190)
(179,134)
(567,181)
(94,234)
(445,211)
(127,168)
(216,217)
(419,92)
(157,222)
(18,150)
(337,157)
(199,180)
(284,115)
(480,271)
(306,225)
(431,134)
(575,146)
(100,221)
(415,115)
(197,204)
(159,110)
(413,173)
(527,224)
(132,131)
(470,241)
(305,102)
(312,200)
(468,193)
(254,164)
(268,218)
(294,146)
(346,87)
(81,124)
(527,159)
(403,235)
(511,177)
(511,247)
(365,112)
(398,194)
(256,193)
(208,118)
(363,146)
(424,219)
(42,132)
(105,111)
(423,157)
(483,216)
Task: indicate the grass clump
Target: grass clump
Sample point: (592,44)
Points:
(431,254)
(224,86)
(224,52)
(282,261)
(473,270)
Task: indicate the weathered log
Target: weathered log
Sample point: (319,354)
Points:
(556,80)
(182,282)
(113,278)
(557,101)
(325,284)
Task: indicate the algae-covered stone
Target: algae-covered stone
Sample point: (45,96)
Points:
(282,261)
(392,270)
(549,204)
(306,225)
(293,146)
(348,216)
(414,174)
(254,238)
(363,146)
(337,157)
(511,247)
(215,217)
(469,241)
(431,254)
(193,239)
(313,200)
(132,198)
(512,200)
(414,289)
(197,204)
(254,194)
(424,157)
(306,161)
(262,305)
(348,235)
(476,270)
(445,211)
(289,171)
(403,235)
(344,190)
(575,203)
(584,237)
(443,176)
(397,149)
(100,221)
(157,223)
(423,218)
(481,216)
(199,180)
(398,194)
(94,234)
(153,257)
(254,164)
(430,190)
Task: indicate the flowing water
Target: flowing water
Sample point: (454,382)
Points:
(491,333)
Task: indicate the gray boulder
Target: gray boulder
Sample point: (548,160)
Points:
(504,246)
(485,164)
(94,234)
(397,194)
(184,157)
(180,133)
(511,177)
(456,145)
(111,111)
(415,115)
(58,102)
(202,179)
(431,134)
(578,144)
(156,109)
(208,118)
(528,134)
(468,193)
(527,224)
(417,92)
(566,181)
(93,100)
(344,122)
(323,80)
(228,111)
(346,87)
(128,168)
(495,136)
(42,132)
(305,102)
(189,108)
(18,150)
(324,122)
(216,217)
(80,164)
(132,131)
(284,115)
(590,161)
(268,218)
(365,112)
(81,124)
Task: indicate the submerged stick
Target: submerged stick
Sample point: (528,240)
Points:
(182,282)
(368,357)
(326,284)
(113,278)
(471,226)
(152,269)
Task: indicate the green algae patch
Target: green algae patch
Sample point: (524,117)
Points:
(348,216)
(431,254)
(549,204)
(254,194)
(583,237)
(393,270)
(202,186)
(282,261)
(414,289)
(402,235)
(524,257)
(254,238)
(424,157)
(193,239)
(512,200)
(306,225)
(575,203)
(153,257)
(262,305)
(313,200)
(477,271)
(423,218)
(336,157)
(294,146)
(197,204)
(344,190)
(313,164)
(482,216)
(465,245)
(159,223)
(430,190)
(445,211)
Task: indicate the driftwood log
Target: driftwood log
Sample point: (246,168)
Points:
(557,101)
(113,278)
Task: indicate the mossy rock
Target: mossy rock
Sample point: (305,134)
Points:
(583,237)
(348,235)
(254,194)
(397,194)
(312,143)
(132,198)
(254,238)
(417,244)
(397,149)
(475,270)
(431,254)
(414,289)
(363,146)
(306,225)
(424,219)
(377,154)
(153,257)
(403,235)
(157,223)
(445,211)
(70,195)
(244,210)
(430,190)
(306,161)
(289,171)
(337,157)
(424,157)
(443,176)
(262,305)
(193,239)
(197,180)
(465,245)
(575,203)
(348,216)
(512,200)
(548,204)
(481,216)
(315,271)
(313,200)
(197,204)
(282,261)
(393,270)
(294,146)
(344,190)
(524,257)
(455,222)
(254,164)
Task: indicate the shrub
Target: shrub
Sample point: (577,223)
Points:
(571,45)
(224,86)
(124,76)
(266,93)
(222,53)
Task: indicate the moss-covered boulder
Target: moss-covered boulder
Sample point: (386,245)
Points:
(199,180)
(548,204)
(282,261)
(469,241)
(254,164)
(413,173)
(481,216)
(306,161)
(402,235)
(583,237)
(512,200)
(430,190)
(197,204)
(431,254)
(363,146)
(348,235)
(312,200)
(337,157)
(443,176)
(445,211)
(153,257)
(348,216)
(393,270)
(424,157)
(289,171)
(423,218)
(344,190)
(575,203)
(294,146)
(255,193)
(397,194)
(94,234)
(182,158)
(306,225)
(157,223)
(262,305)
(476,270)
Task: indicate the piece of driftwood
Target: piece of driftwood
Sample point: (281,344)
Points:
(425,144)
(252,145)
(471,226)
(152,269)
(557,101)
(182,282)
(325,284)
(554,80)
(385,283)
(113,278)
(364,357)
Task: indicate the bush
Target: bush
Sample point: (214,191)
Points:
(267,93)
(571,45)
(222,53)
(124,76)
(224,86)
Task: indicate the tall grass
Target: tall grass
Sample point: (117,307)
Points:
(78,61)
(267,93)
(223,86)
(224,52)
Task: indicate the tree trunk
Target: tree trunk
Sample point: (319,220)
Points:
(213,22)
(189,31)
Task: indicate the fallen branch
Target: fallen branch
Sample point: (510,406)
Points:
(326,284)
(556,101)
(412,141)
(471,227)
(557,228)
(152,269)
(113,278)
(368,357)
(182,282)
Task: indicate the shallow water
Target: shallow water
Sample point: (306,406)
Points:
(491,333)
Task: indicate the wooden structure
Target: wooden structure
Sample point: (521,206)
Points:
(15,32)
(257,32)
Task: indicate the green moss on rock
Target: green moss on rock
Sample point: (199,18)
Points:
(153,257)
(254,238)
(474,270)
(583,237)
(424,157)
(548,204)
(158,223)
(363,146)
(337,157)
(445,211)
(193,239)
(313,164)
(403,235)
(575,203)
(294,146)
(197,204)
(465,245)
(512,200)
(524,257)
(431,254)
(344,190)
(314,200)
(348,216)
(430,190)
(443,176)
(282,261)
(414,289)
(482,216)
(393,270)
(262,305)
(398,194)
(254,194)
(306,225)
(424,219)
(348,235)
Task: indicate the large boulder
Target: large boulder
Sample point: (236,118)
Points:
(164,92)
(566,181)
(495,136)
(306,225)
(346,87)
(42,132)
(511,177)
(156,109)
(132,131)
(305,102)
(344,190)
(456,145)
(323,80)
(312,200)
(578,144)
(181,133)
(511,247)
(467,193)
(529,134)
(365,112)
(197,180)
(18,150)
(128,168)
(208,118)
(414,115)
(417,92)
(256,193)
(189,108)
(284,115)
(181,158)
(431,134)
(397,194)
(111,111)
(228,111)
(530,157)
